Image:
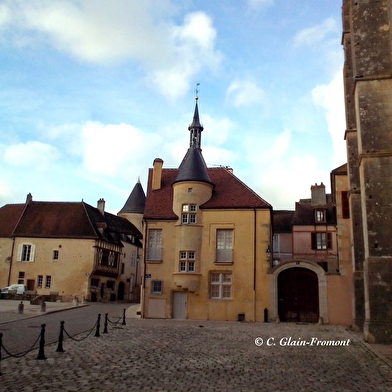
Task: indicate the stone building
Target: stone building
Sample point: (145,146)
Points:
(69,249)
(207,242)
(367,43)
(311,277)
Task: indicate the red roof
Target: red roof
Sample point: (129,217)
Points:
(228,193)
(9,217)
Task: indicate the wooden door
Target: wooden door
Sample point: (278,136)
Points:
(298,299)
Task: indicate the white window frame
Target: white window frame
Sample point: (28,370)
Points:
(187,261)
(224,245)
(48,281)
(189,214)
(154,289)
(221,285)
(40,281)
(154,248)
(56,254)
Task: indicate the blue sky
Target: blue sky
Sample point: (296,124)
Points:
(92,91)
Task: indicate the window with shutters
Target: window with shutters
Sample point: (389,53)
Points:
(321,241)
(26,252)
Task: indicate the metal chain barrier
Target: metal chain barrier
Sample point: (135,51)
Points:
(41,339)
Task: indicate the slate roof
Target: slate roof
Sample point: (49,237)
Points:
(65,220)
(136,200)
(282,221)
(228,193)
(304,214)
(193,167)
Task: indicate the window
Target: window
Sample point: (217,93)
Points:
(188,215)
(224,246)
(154,248)
(48,281)
(321,241)
(110,285)
(319,216)
(220,285)
(187,261)
(133,258)
(40,280)
(26,252)
(345,205)
(156,287)
(275,243)
(21,276)
(55,255)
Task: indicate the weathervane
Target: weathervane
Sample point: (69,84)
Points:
(197,91)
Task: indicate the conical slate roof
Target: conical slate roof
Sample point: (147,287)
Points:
(193,167)
(136,201)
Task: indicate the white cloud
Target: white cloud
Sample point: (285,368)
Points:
(32,154)
(110,149)
(316,34)
(244,93)
(141,31)
(216,130)
(330,98)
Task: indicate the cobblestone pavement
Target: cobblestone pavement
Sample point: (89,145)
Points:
(173,355)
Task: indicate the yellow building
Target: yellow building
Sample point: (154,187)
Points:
(69,250)
(207,242)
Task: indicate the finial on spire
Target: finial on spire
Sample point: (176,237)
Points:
(197,91)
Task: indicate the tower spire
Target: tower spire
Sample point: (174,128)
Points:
(195,128)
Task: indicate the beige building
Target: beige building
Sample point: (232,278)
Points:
(69,250)
(311,278)
(207,236)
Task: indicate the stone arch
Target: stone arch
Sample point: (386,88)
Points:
(322,285)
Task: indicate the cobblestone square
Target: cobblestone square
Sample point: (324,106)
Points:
(170,355)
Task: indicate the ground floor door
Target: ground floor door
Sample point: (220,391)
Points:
(121,291)
(298,299)
(179,305)
(30,284)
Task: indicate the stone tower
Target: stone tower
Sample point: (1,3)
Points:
(134,206)
(367,41)
(191,188)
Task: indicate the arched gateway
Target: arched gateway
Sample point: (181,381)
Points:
(298,292)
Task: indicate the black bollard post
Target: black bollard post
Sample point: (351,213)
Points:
(105,329)
(61,338)
(98,326)
(41,352)
(123,323)
(266,315)
(1,345)
(20,307)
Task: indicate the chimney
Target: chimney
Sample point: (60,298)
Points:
(318,195)
(29,198)
(101,206)
(157,174)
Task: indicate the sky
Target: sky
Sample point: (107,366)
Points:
(92,91)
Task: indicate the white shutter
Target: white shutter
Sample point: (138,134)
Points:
(32,253)
(19,256)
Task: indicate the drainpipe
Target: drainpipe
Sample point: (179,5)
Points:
(254,263)
(12,256)
(143,282)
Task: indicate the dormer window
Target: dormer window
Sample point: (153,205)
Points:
(320,216)
(188,215)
